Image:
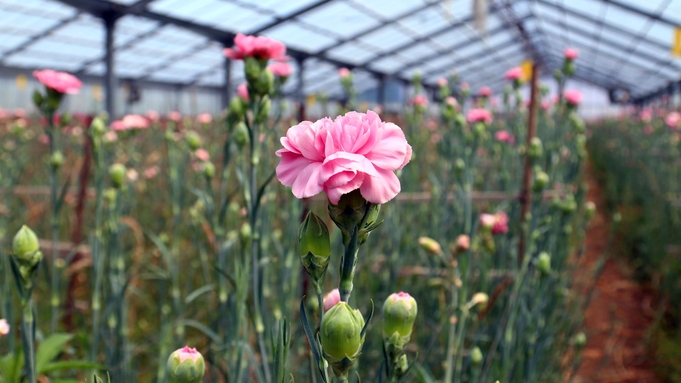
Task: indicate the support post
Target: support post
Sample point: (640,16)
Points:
(227,91)
(526,195)
(381,91)
(110,84)
(300,90)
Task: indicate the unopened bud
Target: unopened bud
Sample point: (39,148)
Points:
(186,365)
(57,159)
(580,339)
(25,246)
(589,210)
(241,134)
(463,243)
(399,314)
(253,68)
(265,84)
(315,245)
(208,170)
(541,179)
(430,245)
(97,127)
(544,263)
(341,336)
(536,149)
(476,355)
(193,141)
(117,173)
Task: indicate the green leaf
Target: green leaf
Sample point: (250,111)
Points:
(70,365)
(49,349)
(198,292)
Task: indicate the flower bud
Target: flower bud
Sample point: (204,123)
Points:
(4,327)
(348,213)
(265,84)
(430,245)
(476,355)
(236,110)
(208,170)
(463,243)
(341,336)
(331,299)
(577,123)
(589,209)
(535,149)
(57,159)
(617,217)
(557,74)
(25,246)
(193,141)
(544,262)
(97,127)
(580,339)
(315,245)
(186,365)
(253,68)
(264,111)
(541,179)
(241,134)
(38,99)
(117,173)
(569,67)
(399,313)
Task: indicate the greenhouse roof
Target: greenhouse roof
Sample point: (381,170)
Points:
(624,44)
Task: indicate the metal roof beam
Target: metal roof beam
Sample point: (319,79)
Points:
(642,12)
(280,20)
(39,36)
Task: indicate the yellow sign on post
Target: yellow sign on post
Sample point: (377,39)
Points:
(676,46)
(526,66)
(22,81)
(310,100)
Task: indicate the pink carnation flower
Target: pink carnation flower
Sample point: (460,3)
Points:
(260,47)
(419,100)
(504,136)
(673,120)
(546,104)
(202,155)
(487,220)
(442,82)
(571,53)
(465,86)
(151,172)
(19,113)
(646,114)
(343,72)
(242,92)
(280,69)
(514,74)
(451,101)
(118,125)
(4,327)
(500,223)
(573,97)
(485,91)
(479,115)
(62,82)
(135,121)
(3,114)
(152,115)
(175,116)
(331,299)
(354,151)
(648,129)
(204,118)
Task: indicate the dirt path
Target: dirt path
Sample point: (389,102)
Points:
(617,320)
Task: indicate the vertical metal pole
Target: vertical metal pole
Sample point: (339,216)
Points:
(300,91)
(109,70)
(227,90)
(381,91)
(526,195)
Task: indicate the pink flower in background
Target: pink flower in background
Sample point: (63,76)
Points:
(204,118)
(280,69)
(132,175)
(479,115)
(152,115)
(442,82)
(260,47)
(419,100)
(646,114)
(3,114)
(648,129)
(500,223)
(4,327)
(514,74)
(465,86)
(62,82)
(545,104)
(175,116)
(571,53)
(110,136)
(331,299)
(573,96)
(135,121)
(673,120)
(485,91)
(451,101)
(504,136)
(19,113)
(118,125)
(354,151)
(202,155)
(242,92)
(343,72)
(487,220)
(151,172)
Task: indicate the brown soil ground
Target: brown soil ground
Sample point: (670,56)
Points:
(618,319)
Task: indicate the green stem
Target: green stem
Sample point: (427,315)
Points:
(28,340)
(451,342)
(54,301)
(348,263)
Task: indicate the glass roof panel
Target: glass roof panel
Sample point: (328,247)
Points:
(340,18)
(351,53)
(391,8)
(388,38)
(290,33)
(427,21)
(280,7)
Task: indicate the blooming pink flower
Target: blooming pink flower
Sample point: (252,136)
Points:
(485,91)
(504,136)
(479,115)
(354,151)
(4,327)
(151,172)
(152,115)
(514,74)
(571,53)
(419,100)
(118,125)
(673,120)
(175,116)
(451,101)
(331,299)
(442,82)
(202,155)
(646,114)
(546,104)
(3,114)
(62,82)
(487,220)
(280,69)
(260,47)
(19,113)
(573,96)
(204,118)
(242,91)
(135,121)
(344,72)
(110,136)
(648,129)
(465,86)
(500,223)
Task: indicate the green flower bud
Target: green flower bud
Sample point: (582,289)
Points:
(245,234)
(430,245)
(97,127)
(236,110)
(315,245)
(25,246)
(589,210)
(580,339)
(241,135)
(38,99)
(65,119)
(544,262)
(476,355)
(399,313)
(117,173)
(208,170)
(460,120)
(193,141)
(557,74)
(569,67)
(349,212)
(577,123)
(57,159)
(265,84)
(617,217)
(253,69)
(341,336)
(541,179)
(535,149)
(264,111)
(186,365)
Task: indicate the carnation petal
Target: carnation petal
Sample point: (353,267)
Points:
(346,185)
(391,150)
(307,181)
(380,189)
